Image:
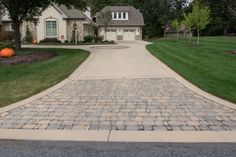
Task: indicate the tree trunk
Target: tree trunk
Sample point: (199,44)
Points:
(177,36)
(164,31)
(17,35)
(198,36)
(189,35)
(225,30)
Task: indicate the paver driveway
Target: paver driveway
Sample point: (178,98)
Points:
(121,88)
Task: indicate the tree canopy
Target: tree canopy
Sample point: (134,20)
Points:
(223,16)
(199,18)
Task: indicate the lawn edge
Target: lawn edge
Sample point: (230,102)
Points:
(190,85)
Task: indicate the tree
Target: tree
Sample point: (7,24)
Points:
(27,10)
(201,17)
(105,17)
(177,26)
(189,23)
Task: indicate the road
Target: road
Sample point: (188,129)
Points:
(12,148)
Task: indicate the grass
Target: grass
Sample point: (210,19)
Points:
(206,66)
(22,81)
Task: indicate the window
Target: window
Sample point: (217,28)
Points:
(120,15)
(9,28)
(115,15)
(51,29)
(124,15)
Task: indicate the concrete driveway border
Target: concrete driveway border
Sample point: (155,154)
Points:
(121,136)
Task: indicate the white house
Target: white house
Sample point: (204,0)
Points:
(126,24)
(58,22)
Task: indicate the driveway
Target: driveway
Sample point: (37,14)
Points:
(121,87)
(125,60)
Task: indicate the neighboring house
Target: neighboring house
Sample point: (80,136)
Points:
(126,24)
(59,21)
(56,22)
(171,32)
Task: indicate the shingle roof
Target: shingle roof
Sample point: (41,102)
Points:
(135,16)
(71,13)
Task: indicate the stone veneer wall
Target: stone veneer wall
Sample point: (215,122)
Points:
(80,25)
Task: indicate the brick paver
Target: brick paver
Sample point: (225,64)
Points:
(158,104)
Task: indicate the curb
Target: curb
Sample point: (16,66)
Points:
(120,136)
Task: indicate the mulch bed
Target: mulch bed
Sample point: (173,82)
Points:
(232,52)
(26,59)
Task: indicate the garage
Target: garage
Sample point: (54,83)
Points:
(129,34)
(111,34)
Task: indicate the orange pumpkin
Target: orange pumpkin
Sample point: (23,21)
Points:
(7,52)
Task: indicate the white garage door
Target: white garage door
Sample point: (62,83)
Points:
(129,34)
(112,35)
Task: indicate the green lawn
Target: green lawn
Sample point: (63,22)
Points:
(206,66)
(21,81)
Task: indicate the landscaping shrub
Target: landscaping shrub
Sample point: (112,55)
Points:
(28,36)
(98,39)
(49,40)
(6,45)
(88,39)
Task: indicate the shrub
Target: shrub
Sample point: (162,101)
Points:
(88,39)
(28,36)
(98,39)
(49,40)
(6,45)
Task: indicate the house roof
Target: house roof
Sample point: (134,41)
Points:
(71,13)
(170,29)
(135,16)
